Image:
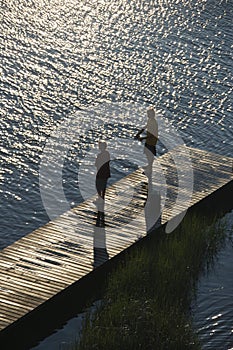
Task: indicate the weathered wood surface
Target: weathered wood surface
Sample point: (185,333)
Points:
(51,258)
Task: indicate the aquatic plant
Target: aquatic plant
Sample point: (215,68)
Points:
(146,304)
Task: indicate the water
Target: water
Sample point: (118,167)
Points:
(213,308)
(64,338)
(57,56)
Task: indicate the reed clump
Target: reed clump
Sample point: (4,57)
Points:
(146,304)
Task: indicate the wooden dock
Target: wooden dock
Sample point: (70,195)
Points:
(46,264)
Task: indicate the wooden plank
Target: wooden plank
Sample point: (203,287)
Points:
(53,257)
(39,285)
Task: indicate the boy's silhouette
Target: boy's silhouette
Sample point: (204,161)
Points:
(103,169)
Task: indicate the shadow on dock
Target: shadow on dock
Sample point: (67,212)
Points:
(100,250)
(104,244)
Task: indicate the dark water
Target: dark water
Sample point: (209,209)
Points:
(57,56)
(213,308)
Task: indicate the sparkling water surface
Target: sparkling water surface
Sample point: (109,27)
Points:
(59,56)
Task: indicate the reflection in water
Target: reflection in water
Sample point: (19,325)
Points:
(56,55)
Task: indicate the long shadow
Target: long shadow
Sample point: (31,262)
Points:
(52,314)
(99,242)
(152,208)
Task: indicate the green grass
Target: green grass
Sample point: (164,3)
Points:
(146,304)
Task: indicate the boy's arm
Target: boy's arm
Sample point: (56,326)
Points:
(137,136)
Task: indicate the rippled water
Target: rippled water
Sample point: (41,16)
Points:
(213,310)
(57,56)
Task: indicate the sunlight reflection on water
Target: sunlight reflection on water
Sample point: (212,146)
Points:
(58,56)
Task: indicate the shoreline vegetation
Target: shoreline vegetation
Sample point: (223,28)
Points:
(146,302)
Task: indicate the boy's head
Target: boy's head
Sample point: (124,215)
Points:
(102,145)
(151,112)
